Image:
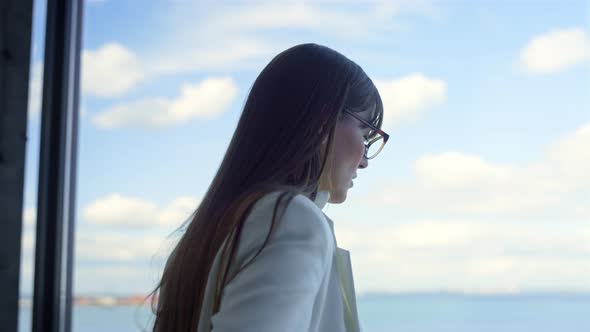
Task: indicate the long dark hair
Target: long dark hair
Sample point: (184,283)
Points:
(292,107)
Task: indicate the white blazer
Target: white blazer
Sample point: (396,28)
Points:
(294,283)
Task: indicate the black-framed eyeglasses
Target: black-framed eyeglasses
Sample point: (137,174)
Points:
(375,141)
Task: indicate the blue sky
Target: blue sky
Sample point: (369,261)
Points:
(483,186)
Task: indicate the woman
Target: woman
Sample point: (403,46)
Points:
(259,254)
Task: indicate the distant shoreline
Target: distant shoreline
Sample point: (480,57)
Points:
(476,294)
(100,300)
(138,300)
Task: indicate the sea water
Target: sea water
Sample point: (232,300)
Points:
(398,313)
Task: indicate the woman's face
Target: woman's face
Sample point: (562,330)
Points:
(349,149)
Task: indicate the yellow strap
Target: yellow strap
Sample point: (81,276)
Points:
(350,323)
(348,317)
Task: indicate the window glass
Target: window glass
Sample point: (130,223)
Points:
(474,216)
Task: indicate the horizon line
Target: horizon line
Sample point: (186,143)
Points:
(391,293)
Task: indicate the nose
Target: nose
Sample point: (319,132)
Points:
(364,163)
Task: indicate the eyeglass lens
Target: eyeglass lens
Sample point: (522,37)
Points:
(375,147)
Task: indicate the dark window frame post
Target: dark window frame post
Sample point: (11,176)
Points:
(54,250)
(16,17)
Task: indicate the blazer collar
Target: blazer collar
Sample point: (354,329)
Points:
(343,257)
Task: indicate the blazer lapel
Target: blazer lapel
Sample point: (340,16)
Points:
(346,278)
(347,282)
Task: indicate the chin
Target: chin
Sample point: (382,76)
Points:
(338,197)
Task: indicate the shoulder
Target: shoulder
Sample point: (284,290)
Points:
(300,209)
(302,236)
(301,217)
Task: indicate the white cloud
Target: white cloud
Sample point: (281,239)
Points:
(419,255)
(118,247)
(583,211)
(407,97)
(223,55)
(112,260)
(570,157)
(456,170)
(207,99)
(344,20)
(555,51)
(28,242)
(239,36)
(116,209)
(273,15)
(116,279)
(27,260)
(83,111)
(35,89)
(178,211)
(231,37)
(462,255)
(29,216)
(111,70)
(466,185)
(336,21)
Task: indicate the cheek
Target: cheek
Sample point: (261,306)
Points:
(357,149)
(354,154)
(360,151)
(349,151)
